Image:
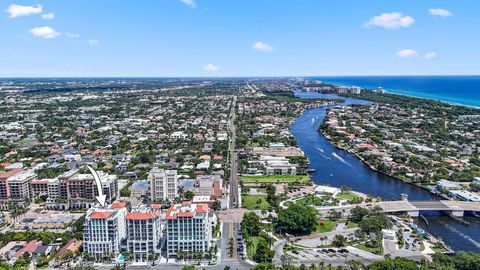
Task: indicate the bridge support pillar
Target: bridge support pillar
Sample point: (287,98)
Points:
(413,213)
(456,213)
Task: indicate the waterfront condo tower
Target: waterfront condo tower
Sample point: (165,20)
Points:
(189,229)
(103,233)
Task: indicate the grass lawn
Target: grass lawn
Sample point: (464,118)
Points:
(327,226)
(439,249)
(313,200)
(275,178)
(250,202)
(351,225)
(252,248)
(378,251)
(348,196)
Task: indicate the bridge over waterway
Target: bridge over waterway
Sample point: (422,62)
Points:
(412,208)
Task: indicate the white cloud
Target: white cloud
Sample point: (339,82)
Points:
(430,55)
(211,68)
(189,3)
(72,35)
(407,53)
(17,10)
(391,20)
(48,16)
(93,42)
(262,46)
(44,31)
(440,12)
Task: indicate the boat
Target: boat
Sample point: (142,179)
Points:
(310,170)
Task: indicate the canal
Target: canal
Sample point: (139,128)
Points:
(337,167)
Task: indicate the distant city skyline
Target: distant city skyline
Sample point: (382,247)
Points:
(208,38)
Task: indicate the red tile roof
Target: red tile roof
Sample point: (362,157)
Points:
(364,146)
(156,206)
(29,247)
(217,190)
(72,245)
(169,214)
(141,216)
(202,208)
(100,215)
(174,212)
(10,173)
(118,205)
(185,214)
(34,182)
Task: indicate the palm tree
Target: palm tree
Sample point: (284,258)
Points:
(151,256)
(181,254)
(339,240)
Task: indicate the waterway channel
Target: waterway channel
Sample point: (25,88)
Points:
(336,167)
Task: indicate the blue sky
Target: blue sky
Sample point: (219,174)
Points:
(238,38)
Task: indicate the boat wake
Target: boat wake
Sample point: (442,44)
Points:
(466,237)
(339,158)
(321,152)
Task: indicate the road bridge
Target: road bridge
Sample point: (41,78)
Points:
(412,208)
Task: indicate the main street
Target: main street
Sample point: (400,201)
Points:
(231,227)
(233,264)
(234,198)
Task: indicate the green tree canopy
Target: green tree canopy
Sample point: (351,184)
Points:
(298,218)
(251,224)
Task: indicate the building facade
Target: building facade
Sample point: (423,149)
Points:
(144,233)
(16,187)
(103,233)
(73,189)
(188,229)
(163,185)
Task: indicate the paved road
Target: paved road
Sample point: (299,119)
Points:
(278,248)
(240,265)
(232,226)
(234,265)
(224,241)
(314,240)
(234,198)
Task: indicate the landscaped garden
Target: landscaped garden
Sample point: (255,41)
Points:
(275,178)
(255,202)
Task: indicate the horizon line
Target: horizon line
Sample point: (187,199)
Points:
(230,77)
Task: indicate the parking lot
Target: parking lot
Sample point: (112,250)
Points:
(332,255)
